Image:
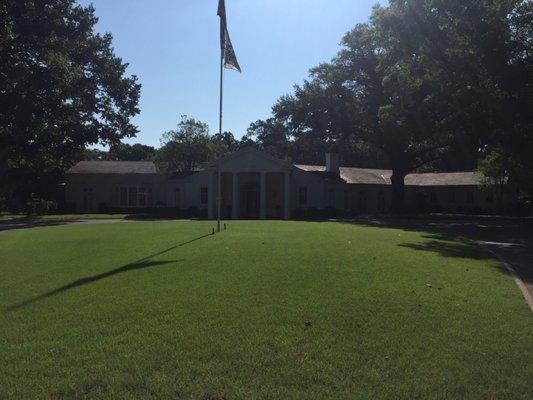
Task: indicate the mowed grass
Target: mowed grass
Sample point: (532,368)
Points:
(264,310)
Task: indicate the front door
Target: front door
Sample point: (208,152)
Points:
(250,201)
(88,199)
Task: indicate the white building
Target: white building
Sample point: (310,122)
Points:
(256,185)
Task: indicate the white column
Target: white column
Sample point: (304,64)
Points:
(211,197)
(235,197)
(287,197)
(262,196)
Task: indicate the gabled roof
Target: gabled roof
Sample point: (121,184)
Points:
(366,175)
(350,175)
(113,167)
(249,151)
(369,176)
(470,178)
(355,175)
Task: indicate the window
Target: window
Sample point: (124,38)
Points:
(133,196)
(177,197)
(203,195)
(123,197)
(381,202)
(433,197)
(331,197)
(302,196)
(348,200)
(469,197)
(451,196)
(362,201)
(142,194)
(88,199)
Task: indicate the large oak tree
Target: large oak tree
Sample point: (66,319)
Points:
(61,89)
(427,83)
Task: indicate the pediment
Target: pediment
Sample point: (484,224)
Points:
(250,160)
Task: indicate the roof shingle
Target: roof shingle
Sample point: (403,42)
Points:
(365,176)
(382,176)
(113,167)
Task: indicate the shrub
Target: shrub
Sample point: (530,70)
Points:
(40,207)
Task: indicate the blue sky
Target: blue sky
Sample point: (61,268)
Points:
(173,47)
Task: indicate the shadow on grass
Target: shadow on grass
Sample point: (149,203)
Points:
(447,246)
(443,239)
(135,265)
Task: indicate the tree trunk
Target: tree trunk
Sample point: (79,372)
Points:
(398,192)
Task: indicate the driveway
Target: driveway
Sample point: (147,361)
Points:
(25,222)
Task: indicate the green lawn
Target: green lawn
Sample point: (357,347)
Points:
(264,310)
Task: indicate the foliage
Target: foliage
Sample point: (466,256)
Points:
(121,152)
(41,207)
(61,88)
(271,136)
(320,117)
(131,152)
(497,168)
(422,84)
(167,310)
(94,155)
(184,148)
(224,143)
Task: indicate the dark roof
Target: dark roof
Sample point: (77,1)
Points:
(248,150)
(382,176)
(182,174)
(349,175)
(445,179)
(113,167)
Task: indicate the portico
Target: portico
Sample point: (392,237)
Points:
(251,195)
(252,187)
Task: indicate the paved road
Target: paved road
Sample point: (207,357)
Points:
(23,223)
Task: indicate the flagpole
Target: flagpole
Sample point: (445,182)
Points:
(219,190)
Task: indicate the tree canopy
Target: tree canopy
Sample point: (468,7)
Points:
(61,89)
(423,84)
(497,167)
(187,146)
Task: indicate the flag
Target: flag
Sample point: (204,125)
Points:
(228,54)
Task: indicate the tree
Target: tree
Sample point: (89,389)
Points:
(420,81)
(271,136)
(366,96)
(187,146)
(61,88)
(497,168)
(454,72)
(320,116)
(128,152)
(248,141)
(95,155)
(224,143)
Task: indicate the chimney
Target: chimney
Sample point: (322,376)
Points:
(332,163)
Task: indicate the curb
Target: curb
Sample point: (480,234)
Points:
(519,282)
